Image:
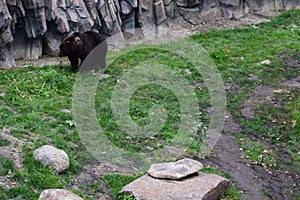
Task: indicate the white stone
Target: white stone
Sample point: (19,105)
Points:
(265,62)
(175,170)
(52,157)
(58,194)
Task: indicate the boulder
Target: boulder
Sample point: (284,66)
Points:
(175,170)
(201,186)
(58,194)
(52,157)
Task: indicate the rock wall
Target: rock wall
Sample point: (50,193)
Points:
(30,28)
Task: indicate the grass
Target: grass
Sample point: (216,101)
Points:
(229,194)
(37,104)
(6,166)
(258,153)
(117,182)
(4,142)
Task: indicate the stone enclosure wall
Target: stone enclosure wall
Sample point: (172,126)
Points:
(30,28)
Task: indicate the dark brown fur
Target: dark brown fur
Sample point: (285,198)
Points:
(79,45)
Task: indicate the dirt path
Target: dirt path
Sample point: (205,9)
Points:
(228,159)
(256,181)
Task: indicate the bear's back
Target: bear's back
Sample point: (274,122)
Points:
(92,39)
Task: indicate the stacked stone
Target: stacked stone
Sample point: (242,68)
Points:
(178,180)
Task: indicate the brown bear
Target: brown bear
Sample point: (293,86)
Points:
(79,45)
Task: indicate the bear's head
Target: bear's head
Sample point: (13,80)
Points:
(69,45)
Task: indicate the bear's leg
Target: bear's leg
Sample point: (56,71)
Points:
(74,63)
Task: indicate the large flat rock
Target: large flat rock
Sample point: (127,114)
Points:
(175,170)
(201,186)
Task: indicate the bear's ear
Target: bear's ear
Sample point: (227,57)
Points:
(77,40)
(66,39)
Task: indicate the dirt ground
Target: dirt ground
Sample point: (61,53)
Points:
(254,180)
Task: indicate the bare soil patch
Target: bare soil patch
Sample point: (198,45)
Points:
(14,150)
(261,95)
(228,158)
(92,173)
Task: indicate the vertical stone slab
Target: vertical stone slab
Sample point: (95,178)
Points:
(159,12)
(170,10)
(111,23)
(62,21)
(91,7)
(35,19)
(128,9)
(147,14)
(34,48)
(6,57)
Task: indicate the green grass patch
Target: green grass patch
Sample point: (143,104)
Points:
(229,194)
(212,170)
(116,182)
(258,153)
(4,142)
(7,166)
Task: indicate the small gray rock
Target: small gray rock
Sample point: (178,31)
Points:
(52,157)
(58,194)
(175,170)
